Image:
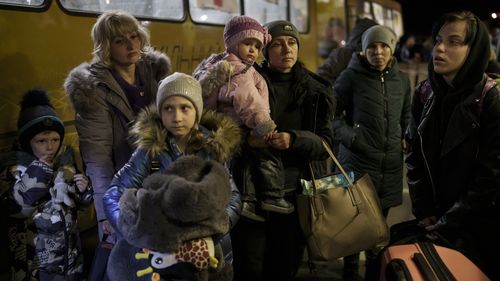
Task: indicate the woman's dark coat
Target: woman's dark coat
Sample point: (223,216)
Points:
(454,160)
(372,114)
(313,123)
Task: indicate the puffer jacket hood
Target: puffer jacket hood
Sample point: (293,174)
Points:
(224,139)
(82,81)
(355,36)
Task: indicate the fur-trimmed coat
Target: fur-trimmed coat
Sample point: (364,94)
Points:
(103,115)
(237,90)
(222,137)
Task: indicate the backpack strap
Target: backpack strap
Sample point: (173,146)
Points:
(490,83)
(425,91)
(155,164)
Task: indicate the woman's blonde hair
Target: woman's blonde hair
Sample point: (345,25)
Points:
(113,24)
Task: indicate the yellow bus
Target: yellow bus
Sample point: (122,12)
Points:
(42,40)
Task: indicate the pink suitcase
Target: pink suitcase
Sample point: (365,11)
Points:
(424,261)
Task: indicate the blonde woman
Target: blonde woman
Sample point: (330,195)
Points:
(108,92)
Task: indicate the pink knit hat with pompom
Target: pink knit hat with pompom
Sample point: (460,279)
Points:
(241,27)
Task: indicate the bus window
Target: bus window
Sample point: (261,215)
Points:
(378,12)
(160,9)
(397,21)
(367,12)
(30,3)
(388,18)
(266,10)
(299,15)
(214,11)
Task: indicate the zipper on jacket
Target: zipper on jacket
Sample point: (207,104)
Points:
(316,113)
(66,245)
(419,132)
(427,168)
(386,117)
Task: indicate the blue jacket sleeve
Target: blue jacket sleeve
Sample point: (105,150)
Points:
(234,207)
(130,176)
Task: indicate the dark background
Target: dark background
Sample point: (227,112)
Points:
(418,15)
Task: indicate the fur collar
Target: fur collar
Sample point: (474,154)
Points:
(222,135)
(82,81)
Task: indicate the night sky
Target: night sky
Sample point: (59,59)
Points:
(418,15)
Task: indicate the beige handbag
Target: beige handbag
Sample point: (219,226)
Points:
(338,221)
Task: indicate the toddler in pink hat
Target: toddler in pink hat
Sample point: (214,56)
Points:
(231,86)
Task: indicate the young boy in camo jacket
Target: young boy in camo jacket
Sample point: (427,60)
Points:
(43,197)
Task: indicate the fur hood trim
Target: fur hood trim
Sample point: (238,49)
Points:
(222,135)
(82,81)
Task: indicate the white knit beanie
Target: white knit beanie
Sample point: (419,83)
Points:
(180,84)
(379,33)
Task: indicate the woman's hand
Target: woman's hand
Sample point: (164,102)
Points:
(281,141)
(427,221)
(430,226)
(107,228)
(405,146)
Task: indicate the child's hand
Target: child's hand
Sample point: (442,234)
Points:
(267,137)
(106,227)
(81,182)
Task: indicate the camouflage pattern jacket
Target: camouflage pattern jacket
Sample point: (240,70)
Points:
(43,233)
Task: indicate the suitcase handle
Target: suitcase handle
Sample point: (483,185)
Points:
(397,271)
(424,267)
(436,262)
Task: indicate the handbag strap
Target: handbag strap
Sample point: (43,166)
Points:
(104,237)
(337,163)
